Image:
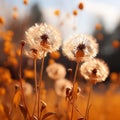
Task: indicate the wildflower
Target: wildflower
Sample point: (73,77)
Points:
(80,48)
(25,2)
(56,71)
(44,36)
(81,6)
(95,70)
(61,85)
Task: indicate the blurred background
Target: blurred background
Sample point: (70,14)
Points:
(101,18)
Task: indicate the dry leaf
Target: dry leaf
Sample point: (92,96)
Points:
(23,110)
(17,98)
(47,115)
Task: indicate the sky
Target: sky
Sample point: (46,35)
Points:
(94,10)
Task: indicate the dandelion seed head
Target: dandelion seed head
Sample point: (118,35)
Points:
(95,70)
(56,71)
(34,52)
(80,48)
(61,85)
(44,36)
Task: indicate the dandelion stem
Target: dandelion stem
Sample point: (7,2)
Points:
(88,102)
(21,85)
(74,80)
(75,73)
(36,90)
(40,82)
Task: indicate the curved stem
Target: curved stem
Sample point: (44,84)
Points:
(36,90)
(74,80)
(88,102)
(21,85)
(40,82)
(75,73)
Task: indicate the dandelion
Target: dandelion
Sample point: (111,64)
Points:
(56,71)
(80,48)
(95,70)
(33,53)
(44,36)
(61,85)
(28,90)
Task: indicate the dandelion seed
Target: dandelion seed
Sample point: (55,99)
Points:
(56,71)
(44,36)
(61,85)
(80,48)
(95,70)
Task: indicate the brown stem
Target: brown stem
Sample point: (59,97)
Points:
(36,90)
(74,80)
(40,82)
(88,102)
(21,85)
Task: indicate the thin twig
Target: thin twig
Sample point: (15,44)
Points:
(40,82)
(36,87)
(88,102)
(21,85)
(74,80)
